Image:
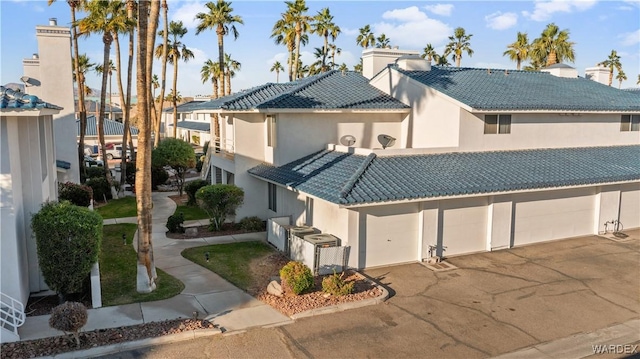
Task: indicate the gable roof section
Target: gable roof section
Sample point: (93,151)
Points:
(14,100)
(350,179)
(185,107)
(111,128)
(492,90)
(194,125)
(332,90)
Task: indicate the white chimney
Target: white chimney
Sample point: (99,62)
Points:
(561,70)
(374,60)
(599,74)
(53,21)
(413,63)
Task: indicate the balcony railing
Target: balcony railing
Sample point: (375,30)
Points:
(223,148)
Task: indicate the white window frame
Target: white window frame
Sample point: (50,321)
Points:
(272,196)
(271,131)
(502,124)
(630,123)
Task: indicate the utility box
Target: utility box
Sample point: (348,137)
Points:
(305,247)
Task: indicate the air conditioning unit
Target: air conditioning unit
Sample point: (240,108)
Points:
(305,247)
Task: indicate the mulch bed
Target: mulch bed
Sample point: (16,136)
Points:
(101,337)
(44,304)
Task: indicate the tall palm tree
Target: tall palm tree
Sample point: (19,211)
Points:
(277,67)
(441,60)
(428,52)
(383,42)
(163,84)
(296,14)
(612,63)
(621,76)
(99,69)
(211,71)
(126,101)
(518,51)
(334,50)
(176,51)
(284,33)
(231,67)
(75,5)
(102,19)
(534,65)
(366,37)
(343,67)
(458,43)
(553,46)
(324,26)
(147,25)
(84,65)
(221,19)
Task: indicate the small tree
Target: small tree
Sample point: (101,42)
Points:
(219,201)
(177,154)
(68,239)
(69,317)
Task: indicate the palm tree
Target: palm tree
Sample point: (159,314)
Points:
(277,67)
(284,33)
(621,76)
(324,26)
(613,63)
(84,66)
(518,51)
(553,46)
(165,55)
(638,82)
(383,42)
(534,65)
(102,18)
(296,14)
(343,67)
(176,50)
(358,67)
(365,38)
(99,69)
(147,25)
(459,43)
(211,71)
(231,66)
(429,52)
(334,50)
(75,5)
(441,60)
(221,19)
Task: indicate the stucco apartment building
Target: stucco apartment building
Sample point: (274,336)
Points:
(483,159)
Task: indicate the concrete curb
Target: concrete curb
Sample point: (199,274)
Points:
(346,306)
(136,344)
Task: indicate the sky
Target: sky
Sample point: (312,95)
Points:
(596,27)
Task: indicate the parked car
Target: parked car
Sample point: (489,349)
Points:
(92,162)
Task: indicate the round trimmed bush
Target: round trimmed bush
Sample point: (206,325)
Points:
(100,188)
(77,194)
(191,188)
(296,276)
(252,224)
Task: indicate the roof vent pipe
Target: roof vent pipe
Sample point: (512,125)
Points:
(53,21)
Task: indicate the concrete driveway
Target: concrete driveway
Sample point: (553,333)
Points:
(494,303)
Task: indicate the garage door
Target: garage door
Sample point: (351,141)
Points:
(630,207)
(391,235)
(464,226)
(553,215)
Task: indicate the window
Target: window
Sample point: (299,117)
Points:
(494,124)
(271,131)
(272,197)
(630,123)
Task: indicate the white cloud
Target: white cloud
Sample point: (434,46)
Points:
(411,28)
(630,38)
(544,9)
(500,21)
(186,13)
(491,65)
(349,32)
(440,9)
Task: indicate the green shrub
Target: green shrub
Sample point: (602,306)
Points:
(252,224)
(130,177)
(177,154)
(219,201)
(191,188)
(100,188)
(68,241)
(158,176)
(69,317)
(336,285)
(77,194)
(174,223)
(296,276)
(95,172)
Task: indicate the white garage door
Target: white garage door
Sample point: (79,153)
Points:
(391,235)
(553,215)
(630,207)
(464,226)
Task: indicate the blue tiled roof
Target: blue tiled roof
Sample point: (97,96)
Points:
(14,100)
(329,90)
(344,178)
(111,128)
(185,107)
(485,89)
(94,107)
(63,164)
(194,125)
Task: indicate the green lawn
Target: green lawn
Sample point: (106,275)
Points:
(119,208)
(230,261)
(118,270)
(192,212)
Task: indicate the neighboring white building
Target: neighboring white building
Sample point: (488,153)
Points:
(598,73)
(49,75)
(113,131)
(484,159)
(28,178)
(192,127)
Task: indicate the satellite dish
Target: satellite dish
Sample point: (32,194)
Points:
(28,81)
(386,141)
(347,140)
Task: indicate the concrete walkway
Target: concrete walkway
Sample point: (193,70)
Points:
(205,292)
